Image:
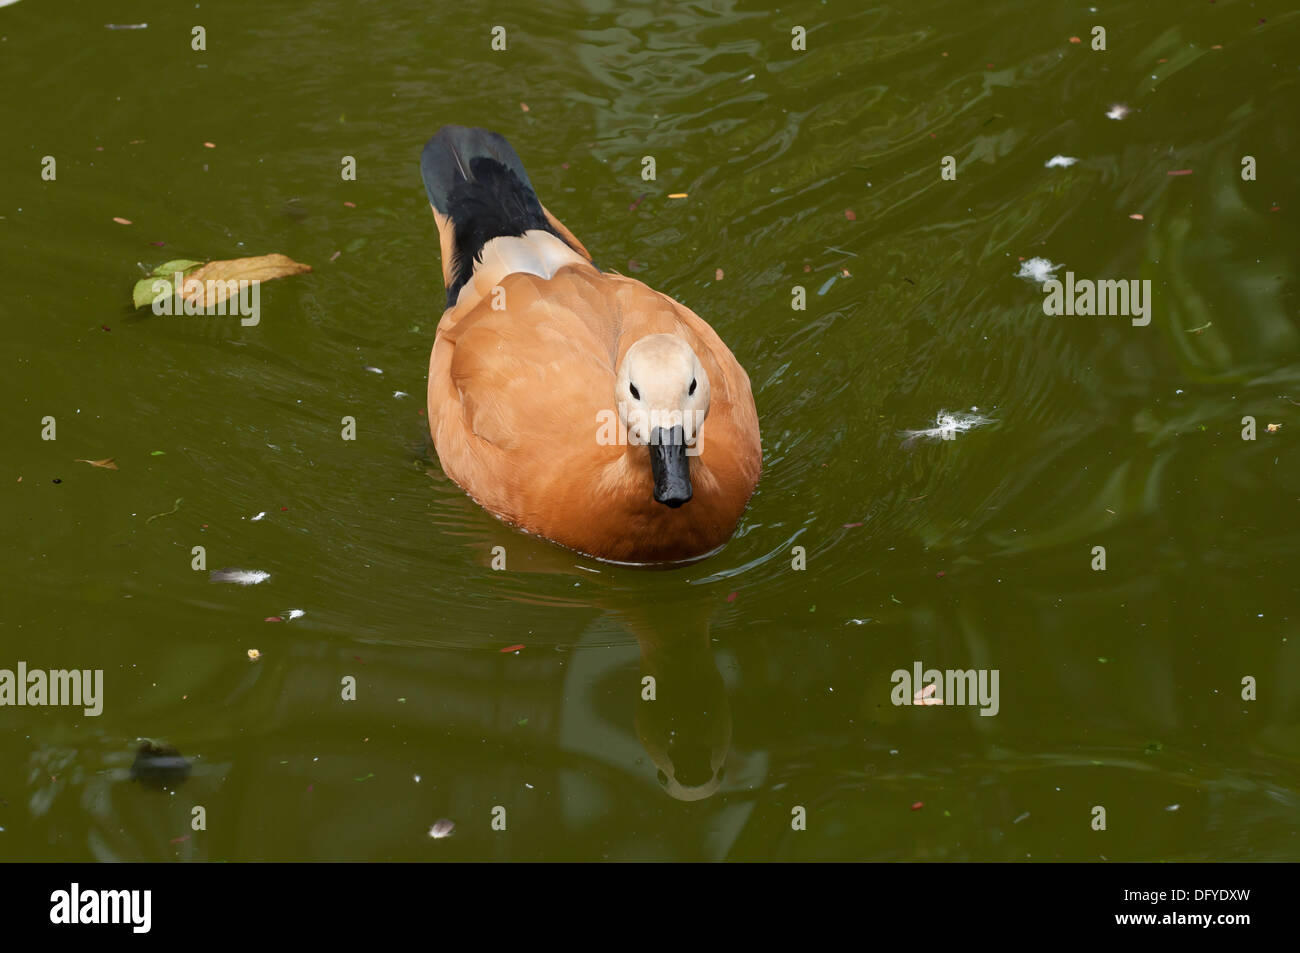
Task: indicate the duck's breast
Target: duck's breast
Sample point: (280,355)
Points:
(521,401)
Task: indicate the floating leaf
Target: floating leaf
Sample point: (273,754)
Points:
(213,282)
(169,268)
(161,281)
(106,464)
(142,294)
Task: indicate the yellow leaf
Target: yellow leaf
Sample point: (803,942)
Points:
(107,464)
(217,280)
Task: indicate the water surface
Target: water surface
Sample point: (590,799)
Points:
(1119,688)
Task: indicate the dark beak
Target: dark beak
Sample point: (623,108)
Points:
(671,468)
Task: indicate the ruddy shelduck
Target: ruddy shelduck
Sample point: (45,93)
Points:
(571,402)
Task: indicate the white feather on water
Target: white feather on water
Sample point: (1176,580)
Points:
(1060,162)
(947,424)
(244,577)
(1037,270)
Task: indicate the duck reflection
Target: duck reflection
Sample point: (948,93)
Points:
(683,718)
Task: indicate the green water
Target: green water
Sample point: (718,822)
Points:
(1119,688)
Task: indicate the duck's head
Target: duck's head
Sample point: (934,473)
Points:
(662,392)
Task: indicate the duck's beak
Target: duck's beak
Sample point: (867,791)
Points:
(670,465)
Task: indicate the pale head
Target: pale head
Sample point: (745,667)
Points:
(662,392)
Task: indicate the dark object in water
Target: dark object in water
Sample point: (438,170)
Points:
(159,766)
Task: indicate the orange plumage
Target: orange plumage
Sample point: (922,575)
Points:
(523,406)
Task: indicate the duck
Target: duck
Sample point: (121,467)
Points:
(571,402)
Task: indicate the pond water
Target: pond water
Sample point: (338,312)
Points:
(864,552)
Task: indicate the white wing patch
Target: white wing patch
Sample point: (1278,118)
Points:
(535,253)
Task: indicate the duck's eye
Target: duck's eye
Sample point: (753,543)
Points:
(636,394)
(692,390)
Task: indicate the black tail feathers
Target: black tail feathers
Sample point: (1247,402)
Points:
(475,178)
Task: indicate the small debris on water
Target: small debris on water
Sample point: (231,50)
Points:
(159,766)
